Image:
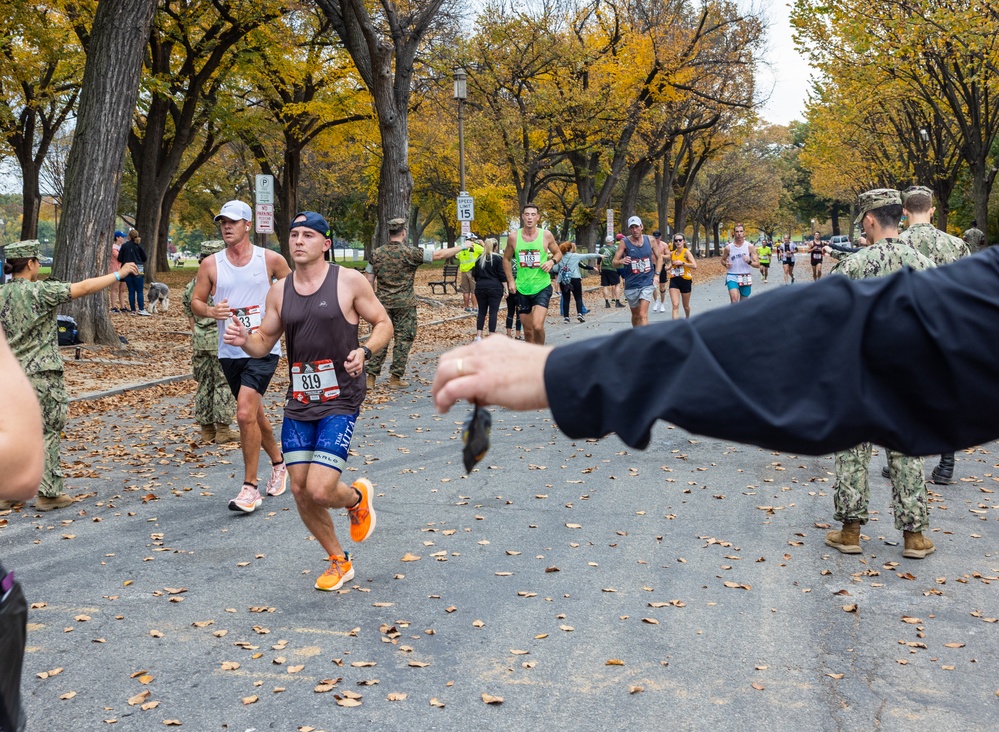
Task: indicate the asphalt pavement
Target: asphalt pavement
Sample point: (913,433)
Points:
(586,585)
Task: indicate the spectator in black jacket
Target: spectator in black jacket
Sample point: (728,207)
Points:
(490,283)
(132,251)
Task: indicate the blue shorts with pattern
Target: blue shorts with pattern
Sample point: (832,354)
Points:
(324,442)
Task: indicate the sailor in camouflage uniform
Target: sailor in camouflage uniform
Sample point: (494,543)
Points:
(974,237)
(942,248)
(880,212)
(392,268)
(28,314)
(214,406)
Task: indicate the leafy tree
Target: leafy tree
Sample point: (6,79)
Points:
(93,173)
(41,63)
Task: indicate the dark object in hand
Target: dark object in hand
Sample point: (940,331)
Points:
(475,436)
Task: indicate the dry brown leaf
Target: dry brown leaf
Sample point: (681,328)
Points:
(396,696)
(518,652)
(172,722)
(139,698)
(149,705)
(363,664)
(850,608)
(835,676)
(418,664)
(230,665)
(156,633)
(614,662)
(758,686)
(411,558)
(490,699)
(911,620)
(146,679)
(636,689)
(67,695)
(650,621)
(250,699)
(954,645)
(566,628)
(435,702)
(295,669)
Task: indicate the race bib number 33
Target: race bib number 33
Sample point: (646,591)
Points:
(314,382)
(248,316)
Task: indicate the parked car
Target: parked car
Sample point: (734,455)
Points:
(840,239)
(45,261)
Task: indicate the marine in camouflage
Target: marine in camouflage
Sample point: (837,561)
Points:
(882,258)
(50,389)
(975,239)
(404,323)
(213,401)
(852,494)
(937,246)
(394,266)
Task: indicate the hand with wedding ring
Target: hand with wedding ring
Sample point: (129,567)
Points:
(498,371)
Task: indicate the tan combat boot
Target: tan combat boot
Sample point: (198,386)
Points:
(207,433)
(847,540)
(917,546)
(396,383)
(370,382)
(50,503)
(224,434)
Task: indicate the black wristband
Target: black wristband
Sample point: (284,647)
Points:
(367,352)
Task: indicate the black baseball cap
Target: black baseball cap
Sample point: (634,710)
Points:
(312,221)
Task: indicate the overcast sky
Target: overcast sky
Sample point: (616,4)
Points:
(788,73)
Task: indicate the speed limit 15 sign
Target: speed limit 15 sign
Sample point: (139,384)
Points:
(466,208)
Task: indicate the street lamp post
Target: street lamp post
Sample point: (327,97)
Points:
(461,93)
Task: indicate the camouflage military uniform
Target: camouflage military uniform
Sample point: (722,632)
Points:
(28,315)
(938,246)
(394,266)
(975,238)
(213,402)
(852,494)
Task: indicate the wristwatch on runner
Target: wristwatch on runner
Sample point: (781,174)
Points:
(367,352)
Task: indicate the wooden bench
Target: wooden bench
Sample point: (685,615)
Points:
(448,277)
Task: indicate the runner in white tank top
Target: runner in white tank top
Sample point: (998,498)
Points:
(239,277)
(739,256)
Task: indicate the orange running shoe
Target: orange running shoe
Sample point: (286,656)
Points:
(362,516)
(340,571)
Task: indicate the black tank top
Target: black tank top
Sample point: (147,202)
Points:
(319,338)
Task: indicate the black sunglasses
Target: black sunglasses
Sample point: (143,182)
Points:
(678,240)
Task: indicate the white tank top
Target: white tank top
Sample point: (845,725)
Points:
(246,290)
(738,256)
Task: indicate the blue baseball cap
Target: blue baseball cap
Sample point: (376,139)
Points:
(119,234)
(311,220)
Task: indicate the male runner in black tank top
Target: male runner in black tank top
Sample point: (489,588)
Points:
(318,307)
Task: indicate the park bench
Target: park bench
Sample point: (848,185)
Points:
(449,276)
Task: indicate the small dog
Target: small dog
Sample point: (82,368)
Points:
(158,297)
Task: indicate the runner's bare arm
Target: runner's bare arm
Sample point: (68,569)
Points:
(754,257)
(725,259)
(96,284)
(259,343)
(21,445)
(203,286)
(620,256)
(555,254)
(508,254)
(688,257)
(369,307)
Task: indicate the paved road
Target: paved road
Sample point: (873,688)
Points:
(590,586)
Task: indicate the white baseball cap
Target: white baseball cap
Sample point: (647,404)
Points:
(634,221)
(234,211)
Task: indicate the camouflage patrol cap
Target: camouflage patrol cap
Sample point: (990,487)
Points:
(22,249)
(877,198)
(212,246)
(396,224)
(916,189)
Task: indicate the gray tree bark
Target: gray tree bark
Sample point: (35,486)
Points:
(93,173)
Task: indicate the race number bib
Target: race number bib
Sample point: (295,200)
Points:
(744,280)
(676,272)
(314,382)
(641,265)
(529,258)
(248,316)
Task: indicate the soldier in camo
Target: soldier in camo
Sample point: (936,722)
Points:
(214,406)
(880,212)
(936,245)
(974,237)
(392,269)
(28,314)
(942,248)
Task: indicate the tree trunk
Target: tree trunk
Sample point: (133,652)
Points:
(716,231)
(31,200)
(636,176)
(93,172)
(981,186)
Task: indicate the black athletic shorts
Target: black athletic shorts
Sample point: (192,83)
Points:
(678,283)
(255,373)
(609,278)
(526,303)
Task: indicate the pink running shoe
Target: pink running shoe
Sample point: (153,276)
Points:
(248,499)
